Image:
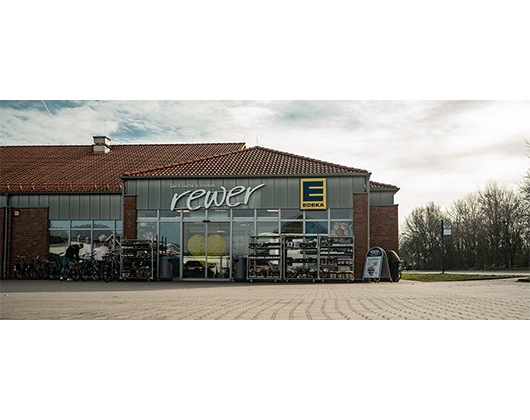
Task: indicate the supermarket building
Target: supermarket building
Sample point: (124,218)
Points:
(202,202)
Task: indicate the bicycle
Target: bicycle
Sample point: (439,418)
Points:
(73,270)
(23,269)
(89,267)
(110,267)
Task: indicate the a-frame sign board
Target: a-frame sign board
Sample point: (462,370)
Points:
(376,265)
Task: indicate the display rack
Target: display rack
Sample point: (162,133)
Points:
(138,260)
(336,258)
(292,257)
(264,258)
(300,257)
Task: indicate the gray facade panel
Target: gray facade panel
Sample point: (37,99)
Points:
(359,184)
(293,193)
(33,201)
(54,207)
(130,187)
(142,195)
(278,192)
(382,198)
(71,206)
(116,207)
(346,193)
(154,186)
(95,212)
(75,207)
(64,207)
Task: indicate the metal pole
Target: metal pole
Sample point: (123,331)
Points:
(443,253)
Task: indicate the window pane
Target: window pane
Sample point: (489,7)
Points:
(242,214)
(170,232)
(342,214)
(102,244)
(104,224)
(342,229)
(241,231)
(268,214)
(86,224)
(316,228)
(146,213)
(292,227)
(58,241)
(60,224)
(218,214)
(292,214)
(267,228)
(196,214)
(168,214)
(146,231)
(317,214)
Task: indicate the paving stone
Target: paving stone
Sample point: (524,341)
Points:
(489,299)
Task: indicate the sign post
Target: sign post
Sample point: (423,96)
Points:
(447,226)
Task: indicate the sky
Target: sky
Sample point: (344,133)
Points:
(436,151)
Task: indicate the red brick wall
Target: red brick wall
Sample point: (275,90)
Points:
(129,217)
(360,232)
(384,229)
(2,221)
(28,234)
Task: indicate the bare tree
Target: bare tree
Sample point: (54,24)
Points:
(467,232)
(421,236)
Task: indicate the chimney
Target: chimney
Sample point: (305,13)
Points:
(101,145)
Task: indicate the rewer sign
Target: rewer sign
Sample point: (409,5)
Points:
(200,198)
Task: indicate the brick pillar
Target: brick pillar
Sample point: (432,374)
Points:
(360,232)
(2,224)
(28,234)
(384,229)
(129,217)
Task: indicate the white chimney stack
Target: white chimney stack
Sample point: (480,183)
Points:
(101,145)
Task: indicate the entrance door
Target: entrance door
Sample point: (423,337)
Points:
(206,251)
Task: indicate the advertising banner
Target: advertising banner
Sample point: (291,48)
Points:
(376,265)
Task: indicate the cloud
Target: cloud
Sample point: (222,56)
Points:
(433,150)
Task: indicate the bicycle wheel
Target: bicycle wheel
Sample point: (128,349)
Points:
(18,272)
(74,272)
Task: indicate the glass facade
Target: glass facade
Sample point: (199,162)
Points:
(91,233)
(206,241)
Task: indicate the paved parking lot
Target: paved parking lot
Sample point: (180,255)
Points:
(487,299)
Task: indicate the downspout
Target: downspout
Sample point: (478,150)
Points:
(6,237)
(368,211)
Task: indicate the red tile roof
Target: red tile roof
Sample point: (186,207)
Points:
(254,161)
(67,169)
(380,186)
(77,169)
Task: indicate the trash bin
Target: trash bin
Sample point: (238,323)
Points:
(240,268)
(166,268)
(176,266)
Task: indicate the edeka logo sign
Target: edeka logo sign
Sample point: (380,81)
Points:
(313,194)
(196,199)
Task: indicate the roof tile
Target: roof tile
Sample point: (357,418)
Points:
(77,169)
(67,169)
(254,161)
